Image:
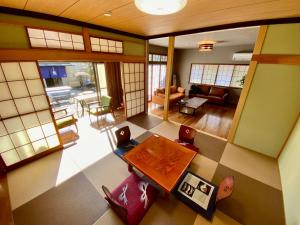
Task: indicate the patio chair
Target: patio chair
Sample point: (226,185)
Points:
(225,188)
(99,108)
(186,137)
(64,119)
(131,199)
(124,143)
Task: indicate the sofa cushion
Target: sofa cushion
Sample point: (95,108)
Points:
(216,91)
(204,89)
(175,96)
(173,89)
(180,89)
(160,90)
(121,150)
(161,95)
(194,89)
(66,121)
(187,145)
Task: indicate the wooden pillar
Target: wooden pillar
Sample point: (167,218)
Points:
(86,39)
(146,74)
(169,76)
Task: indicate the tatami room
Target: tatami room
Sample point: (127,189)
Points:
(84,140)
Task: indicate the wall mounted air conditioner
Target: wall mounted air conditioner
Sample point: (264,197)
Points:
(242,56)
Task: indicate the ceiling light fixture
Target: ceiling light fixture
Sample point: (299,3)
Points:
(108,13)
(206,46)
(160,7)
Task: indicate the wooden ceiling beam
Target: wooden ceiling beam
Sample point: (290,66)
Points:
(65,55)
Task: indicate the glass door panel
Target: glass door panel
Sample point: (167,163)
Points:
(150,90)
(162,79)
(101,81)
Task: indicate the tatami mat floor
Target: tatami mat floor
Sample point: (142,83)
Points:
(92,157)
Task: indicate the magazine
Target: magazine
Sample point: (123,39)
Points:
(197,190)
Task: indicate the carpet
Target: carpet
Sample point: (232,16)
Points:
(252,202)
(74,202)
(145,121)
(210,146)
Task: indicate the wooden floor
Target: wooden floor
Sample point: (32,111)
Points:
(214,119)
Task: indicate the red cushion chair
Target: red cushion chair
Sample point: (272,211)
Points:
(186,137)
(124,143)
(131,199)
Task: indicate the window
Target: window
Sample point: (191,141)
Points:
(133,74)
(221,75)
(196,73)
(26,125)
(40,38)
(224,75)
(238,73)
(106,45)
(158,58)
(102,79)
(209,74)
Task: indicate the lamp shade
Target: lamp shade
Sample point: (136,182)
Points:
(160,7)
(206,46)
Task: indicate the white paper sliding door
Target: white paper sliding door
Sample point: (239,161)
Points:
(133,76)
(26,123)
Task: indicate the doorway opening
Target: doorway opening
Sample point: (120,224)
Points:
(75,91)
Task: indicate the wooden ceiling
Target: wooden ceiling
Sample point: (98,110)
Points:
(126,17)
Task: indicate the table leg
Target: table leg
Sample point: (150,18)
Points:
(166,195)
(82,108)
(130,169)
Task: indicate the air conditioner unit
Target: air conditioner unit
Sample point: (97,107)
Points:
(242,56)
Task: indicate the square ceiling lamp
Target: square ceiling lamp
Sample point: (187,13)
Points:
(160,7)
(206,46)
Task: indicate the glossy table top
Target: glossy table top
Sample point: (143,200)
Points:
(161,159)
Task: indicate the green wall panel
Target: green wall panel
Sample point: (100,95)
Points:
(289,167)
(113,35)
(40,22)
(282,39)
(271,108)
(131,48)
(13,36)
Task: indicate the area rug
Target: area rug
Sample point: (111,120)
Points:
(145,121)
(74,202)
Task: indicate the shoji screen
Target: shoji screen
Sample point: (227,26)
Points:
(26,123)
(134,88)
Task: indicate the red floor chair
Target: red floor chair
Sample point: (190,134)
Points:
(131,199)
(186,137)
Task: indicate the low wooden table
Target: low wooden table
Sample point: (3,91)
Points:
(161,160)
(190,106)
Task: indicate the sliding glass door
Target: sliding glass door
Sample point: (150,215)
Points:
(156,78)
(101,79)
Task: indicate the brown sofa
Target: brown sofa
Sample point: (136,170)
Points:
(176,94)
(212,93)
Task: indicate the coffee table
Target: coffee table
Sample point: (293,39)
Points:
(161,160)
(190,106)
